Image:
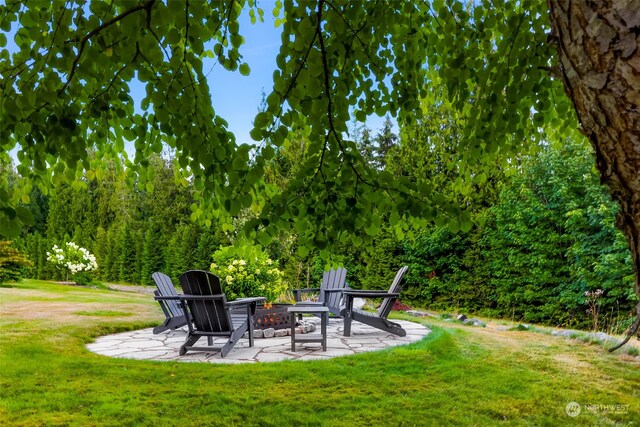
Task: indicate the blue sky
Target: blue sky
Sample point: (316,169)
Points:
(235,97)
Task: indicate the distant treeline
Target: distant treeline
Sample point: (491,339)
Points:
(546,238)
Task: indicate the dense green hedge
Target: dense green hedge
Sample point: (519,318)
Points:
(549,239)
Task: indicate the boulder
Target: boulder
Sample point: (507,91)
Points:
(269,333)
(475,322)
(358,303)
(281,332)
(562,333)
(418,313)
(603,336)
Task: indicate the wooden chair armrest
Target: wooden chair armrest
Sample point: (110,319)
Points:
(369,294)
(245,301)
(167,297)
(187,297)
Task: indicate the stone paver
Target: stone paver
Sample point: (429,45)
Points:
(144,345)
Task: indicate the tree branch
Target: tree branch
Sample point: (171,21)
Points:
(113,80)
(143,6)
(635,329)
(356,36)
(332,129)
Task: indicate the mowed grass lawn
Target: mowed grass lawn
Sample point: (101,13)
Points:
(457,375)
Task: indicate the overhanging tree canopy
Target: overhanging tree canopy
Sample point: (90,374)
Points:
(66,91)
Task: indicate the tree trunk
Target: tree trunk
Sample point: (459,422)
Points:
(598,46)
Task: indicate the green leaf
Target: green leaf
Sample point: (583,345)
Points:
(261,120)
(25,215)
(264,238)
(303,251)
(268,152)
(256,134)
(9,228)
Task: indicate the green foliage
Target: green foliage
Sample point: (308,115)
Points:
(247,271)
(101,249)
(549,238)
(373,267)
(153,253)
(550,231)
(14,194)
(384,141)
(84,278)
(12,262)
(600,257)
(133,232)
(440,272)
(36,246)
(128,256)
(432,153)
(112,259)
(68,84)
(182,250)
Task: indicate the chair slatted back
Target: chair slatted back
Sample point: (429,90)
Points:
(396,287)
(166,289)
(211,315)
(333,279)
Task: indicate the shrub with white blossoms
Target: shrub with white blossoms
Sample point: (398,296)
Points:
(247,272)
(72,258)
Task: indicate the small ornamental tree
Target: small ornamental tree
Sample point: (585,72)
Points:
(592,298)
(72,259)
(247,272)
(11,262)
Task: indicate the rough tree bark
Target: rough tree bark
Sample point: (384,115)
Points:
(599,50)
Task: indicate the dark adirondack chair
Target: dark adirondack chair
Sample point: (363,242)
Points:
(172,308)
(212,315)
(330,290)
(378,319)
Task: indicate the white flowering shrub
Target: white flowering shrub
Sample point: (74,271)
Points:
(247,272)
(72,258)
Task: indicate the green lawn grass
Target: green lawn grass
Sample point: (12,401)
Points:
(457,375)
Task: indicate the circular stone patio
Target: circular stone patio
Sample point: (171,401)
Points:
(144,345)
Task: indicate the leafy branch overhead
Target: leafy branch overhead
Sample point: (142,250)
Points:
(67,92)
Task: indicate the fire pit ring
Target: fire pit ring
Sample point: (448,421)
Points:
(274,316)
